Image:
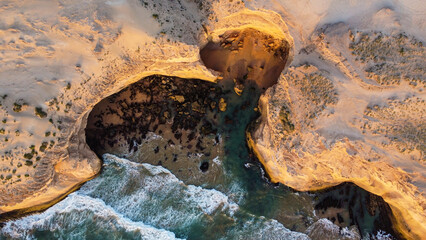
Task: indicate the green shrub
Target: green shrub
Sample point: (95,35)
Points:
(284,117)
(67,107)
(17,107)
(43,146)
(40,113)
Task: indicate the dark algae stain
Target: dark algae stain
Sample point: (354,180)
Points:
(161,118)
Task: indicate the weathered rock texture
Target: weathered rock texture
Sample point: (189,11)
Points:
(323,125)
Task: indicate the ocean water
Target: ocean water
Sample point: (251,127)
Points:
(141,201)
(254,192)
(131,200)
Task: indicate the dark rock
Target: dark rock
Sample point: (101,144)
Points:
(204,166)
(340,218)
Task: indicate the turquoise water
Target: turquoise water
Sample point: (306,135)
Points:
(258,196)
(141,201)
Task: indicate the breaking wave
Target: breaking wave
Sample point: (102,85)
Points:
(141,201)
(81,217)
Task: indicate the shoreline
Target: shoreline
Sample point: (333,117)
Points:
(34,209)
(400,225)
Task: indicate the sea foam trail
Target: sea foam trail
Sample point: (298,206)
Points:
(141,201)
(81,217)
(154,195)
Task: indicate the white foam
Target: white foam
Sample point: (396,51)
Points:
(381,235)
(208,200)
(217,161)
(70,210)
(141,199)
(324,228)
(267,229)
(153,180)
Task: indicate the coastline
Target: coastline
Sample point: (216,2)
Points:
(49,198)
(402,223)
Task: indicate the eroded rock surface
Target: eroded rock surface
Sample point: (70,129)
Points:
(247,55)
(324,125)
(163,121)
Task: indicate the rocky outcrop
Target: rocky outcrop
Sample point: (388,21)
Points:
(324,150)
(124,52)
